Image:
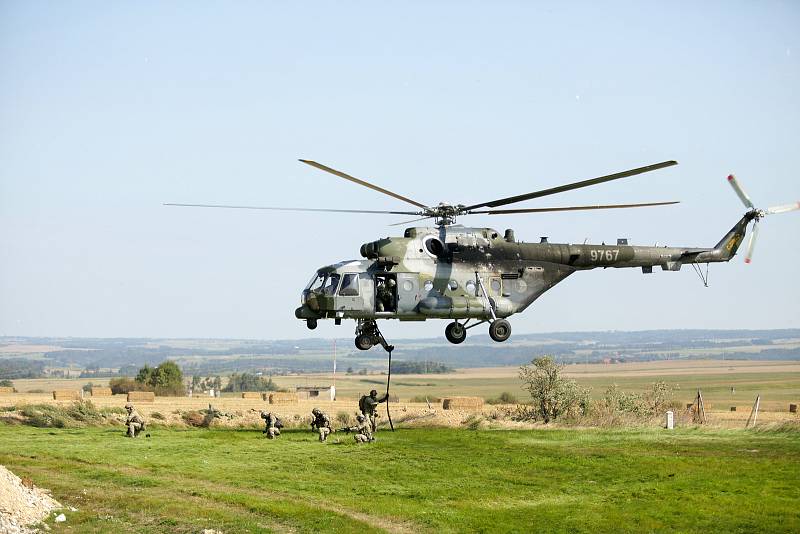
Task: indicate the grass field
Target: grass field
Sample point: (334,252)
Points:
(434,480)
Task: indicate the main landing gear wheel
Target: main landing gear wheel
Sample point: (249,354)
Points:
(500,330)
(363,342)
(455,333)
(311,324)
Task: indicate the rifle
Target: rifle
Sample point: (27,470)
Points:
(345,429)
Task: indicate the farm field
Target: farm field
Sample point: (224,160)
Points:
(777,382)
(431,480)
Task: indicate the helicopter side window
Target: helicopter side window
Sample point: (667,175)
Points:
(331,284)
(349,286)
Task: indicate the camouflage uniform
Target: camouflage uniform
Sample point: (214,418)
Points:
(321,423)
(134,421)
(363,434)
(369,405)
(273,425)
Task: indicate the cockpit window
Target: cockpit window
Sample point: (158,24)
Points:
(331,283)
(316,282)
(349,286)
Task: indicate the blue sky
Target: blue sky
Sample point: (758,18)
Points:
(107,110)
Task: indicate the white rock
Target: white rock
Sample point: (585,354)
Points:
(61,518)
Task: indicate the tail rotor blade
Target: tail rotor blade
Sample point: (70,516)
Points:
(784,208)
(740,192)
(748,257)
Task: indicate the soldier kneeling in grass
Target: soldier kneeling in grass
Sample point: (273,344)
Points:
(134,421)
(321,423)
(363,432)
(273,425)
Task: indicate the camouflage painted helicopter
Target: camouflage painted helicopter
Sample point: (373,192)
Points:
(472,276)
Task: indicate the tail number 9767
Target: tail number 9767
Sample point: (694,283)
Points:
(604,255)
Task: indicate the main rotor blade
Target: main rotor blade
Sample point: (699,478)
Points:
(784,208)
(353,179)
(293,209)
(411,221)
(575,185)
(574,208)
(740,192)
(748,257)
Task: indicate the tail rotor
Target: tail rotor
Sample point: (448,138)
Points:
(758,214)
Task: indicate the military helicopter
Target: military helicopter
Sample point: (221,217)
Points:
(472,276)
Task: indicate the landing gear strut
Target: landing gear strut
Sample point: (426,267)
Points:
(368,335)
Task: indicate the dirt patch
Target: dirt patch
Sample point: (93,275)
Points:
(22,504)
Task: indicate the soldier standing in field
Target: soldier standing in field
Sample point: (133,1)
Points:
(134,421)
(273,425)
(368,404)
(320,423)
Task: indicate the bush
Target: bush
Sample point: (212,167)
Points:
(553,395)
(504,398)
(125,385)
(616,403)
(195,418)
(77,414)
(158,415)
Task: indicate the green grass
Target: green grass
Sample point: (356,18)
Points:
(436,480)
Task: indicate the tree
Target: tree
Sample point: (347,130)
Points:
(249,382)
(6,383)
(164,379)
(553,395)
(145,375)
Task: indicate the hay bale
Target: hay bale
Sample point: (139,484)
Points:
(67,394)
(6,389)
(141,396)
(280,397)
(252,395)
(462,403)
(101,392)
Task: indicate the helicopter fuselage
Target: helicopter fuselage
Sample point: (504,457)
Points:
(461,273)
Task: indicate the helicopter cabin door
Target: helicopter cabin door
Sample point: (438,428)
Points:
(350,295)
(407,293)
(385,294)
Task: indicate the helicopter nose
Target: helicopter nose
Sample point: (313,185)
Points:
(304,312)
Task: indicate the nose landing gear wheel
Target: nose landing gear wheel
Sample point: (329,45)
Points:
(363,342)
(500,330)
(311,324)
(455,333)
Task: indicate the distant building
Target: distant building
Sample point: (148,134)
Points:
(316,392)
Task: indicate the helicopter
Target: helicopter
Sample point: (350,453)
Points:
(471,276)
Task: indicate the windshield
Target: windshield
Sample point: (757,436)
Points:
(316,282)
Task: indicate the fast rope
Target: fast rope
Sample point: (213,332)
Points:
(388,378)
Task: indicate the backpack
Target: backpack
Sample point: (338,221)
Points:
(278,423)
(362,404)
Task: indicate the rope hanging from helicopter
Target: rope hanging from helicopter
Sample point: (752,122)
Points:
(699,271)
